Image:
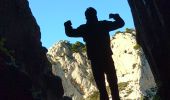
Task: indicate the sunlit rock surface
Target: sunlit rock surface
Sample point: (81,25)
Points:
(134,75)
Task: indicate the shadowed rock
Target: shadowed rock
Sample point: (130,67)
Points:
(151,18)
(22,46)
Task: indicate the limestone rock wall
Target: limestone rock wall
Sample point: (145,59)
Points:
(134,75)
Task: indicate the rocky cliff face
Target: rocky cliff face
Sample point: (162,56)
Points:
(74,69)
(134,75)
(153,35)
(25,72)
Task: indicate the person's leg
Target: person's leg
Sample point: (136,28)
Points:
(98,74)
(112,79)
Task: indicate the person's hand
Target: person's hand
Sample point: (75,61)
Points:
(68,23)
(113,16)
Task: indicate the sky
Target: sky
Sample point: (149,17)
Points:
(51,15)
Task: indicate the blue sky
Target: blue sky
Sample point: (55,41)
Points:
(51,15)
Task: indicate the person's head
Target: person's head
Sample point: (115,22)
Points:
(91,14)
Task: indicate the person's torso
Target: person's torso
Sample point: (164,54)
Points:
(97,40)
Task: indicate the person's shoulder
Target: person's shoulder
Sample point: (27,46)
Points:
(83,25)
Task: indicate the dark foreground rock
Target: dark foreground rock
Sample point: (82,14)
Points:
(152,22)
(25,72)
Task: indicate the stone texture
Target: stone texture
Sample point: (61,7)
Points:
(22,55)
(151,19)
(134,75)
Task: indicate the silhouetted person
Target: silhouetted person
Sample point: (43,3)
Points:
(96,35)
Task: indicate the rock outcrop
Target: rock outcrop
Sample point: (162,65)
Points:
(134,75)
(74,69)
(151,19)
(25,72)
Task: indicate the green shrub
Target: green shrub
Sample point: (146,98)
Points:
(136,47)
(134,65)
(3,49)
(78,47)
(123,85)
(144,98)
(6,51)
(118,32)
(94,96)
(128,30)
(129,91)
(156,97)
(2,42)
(151,93)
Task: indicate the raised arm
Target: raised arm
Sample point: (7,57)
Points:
(113,25)
(70,31)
